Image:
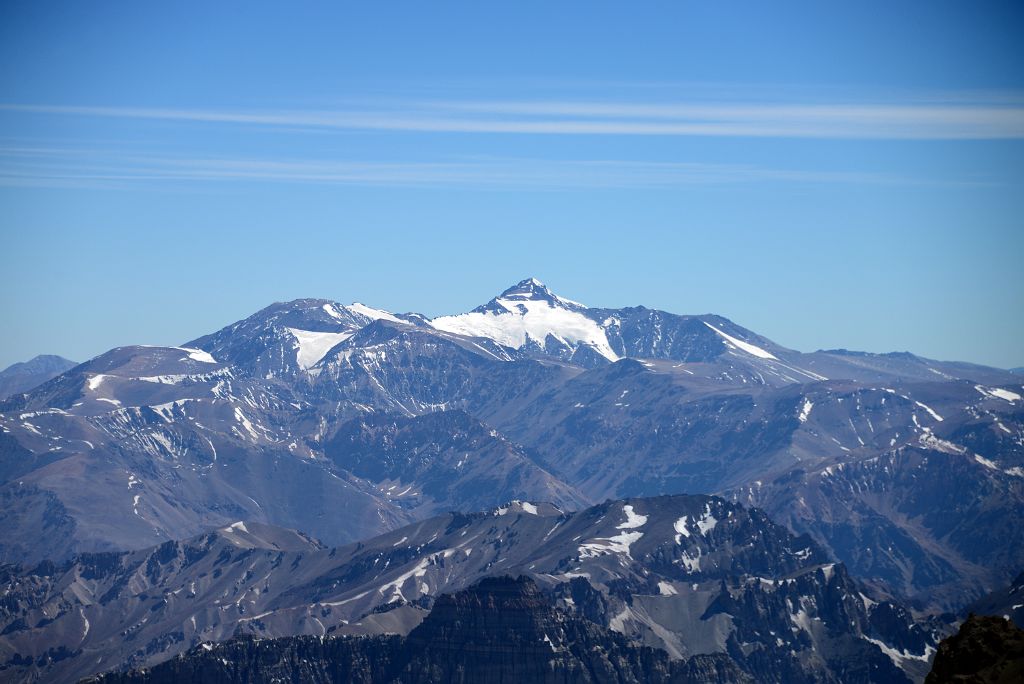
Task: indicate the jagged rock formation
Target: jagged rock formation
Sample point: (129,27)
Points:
(986,650)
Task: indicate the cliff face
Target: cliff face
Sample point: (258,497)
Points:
(986,650)
(500,630)
(505,630)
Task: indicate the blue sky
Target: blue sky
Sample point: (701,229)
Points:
(826,174)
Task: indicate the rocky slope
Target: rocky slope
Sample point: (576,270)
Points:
(688,575)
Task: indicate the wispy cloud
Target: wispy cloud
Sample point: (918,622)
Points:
(41,166)
(908,121)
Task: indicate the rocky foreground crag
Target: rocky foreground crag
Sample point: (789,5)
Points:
(986,650)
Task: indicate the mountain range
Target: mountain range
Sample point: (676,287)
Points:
(346,422)
(688,575)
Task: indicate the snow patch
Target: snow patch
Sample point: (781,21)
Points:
(332,312)
(333,604)
(314,346)
(514,505)
(619,544)
(633,520)
(998,393)
(985,462)
(707,521)
(240,417)
(692,564)
(805,410)
(617,623)
(680,527)
(801,621)
(933,414)
(418,571)
(1005,394)
(898,657)
(198,355)
(374,314)
(929,440)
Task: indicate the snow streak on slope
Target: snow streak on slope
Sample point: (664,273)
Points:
(740,344)
(373,314)
(1005,395)
(529,319)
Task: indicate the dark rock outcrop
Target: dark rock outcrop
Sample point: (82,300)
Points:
(986,650)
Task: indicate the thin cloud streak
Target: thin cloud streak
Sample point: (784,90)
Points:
(853,121)
(39,166)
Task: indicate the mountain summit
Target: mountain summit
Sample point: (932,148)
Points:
(531,318)
(528,315)
(23,376)
(532,289)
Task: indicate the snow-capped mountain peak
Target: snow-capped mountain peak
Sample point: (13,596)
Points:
(530,289)
(528,314)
